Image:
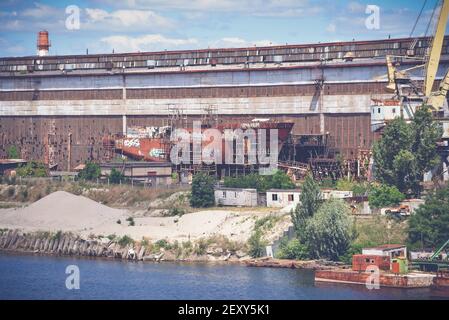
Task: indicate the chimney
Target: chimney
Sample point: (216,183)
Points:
(43,44)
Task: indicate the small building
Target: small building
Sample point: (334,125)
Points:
(8,166)
(360,262)
(149,173)
(383,257)
(235,197)
(280,198)
(336,194)
(390,250)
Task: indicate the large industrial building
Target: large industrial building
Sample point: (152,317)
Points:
(58,109)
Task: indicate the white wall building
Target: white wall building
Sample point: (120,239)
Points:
(236,197)
(277,198)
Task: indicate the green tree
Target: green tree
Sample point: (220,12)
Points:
(202,191)
(429,225)
(13,152)
(292,249)
(91,171)
(32,169)
(406,151)
(115,176)
(309,202)
(384,196)
(330,231)
(278,180)
(256,244)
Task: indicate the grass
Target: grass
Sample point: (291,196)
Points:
(380,230)
(123,196)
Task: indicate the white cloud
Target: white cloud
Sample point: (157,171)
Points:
(275,8)
(150,42)
(40,11)
(331,28)
(125,20)
(356,7)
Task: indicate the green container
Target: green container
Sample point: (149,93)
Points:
(403,264)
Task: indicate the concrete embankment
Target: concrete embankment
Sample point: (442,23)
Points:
(68,244)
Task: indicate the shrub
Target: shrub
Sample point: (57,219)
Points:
(116,176)
(256,244)
(111,237)
(32,169)
(13,152)
(91,171)
(200,247)
(175,211)
(163,244)
(125,240)
(384,196)
(202,191)
(292,250)
(279,180)
(130,221)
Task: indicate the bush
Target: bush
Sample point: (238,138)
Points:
(125,240)
(130,221)
(175,211)
(384,196)
(32,169)
(292,250)
(116,176)
(202,191)
(163,244)
(13,152)
(91,171)
(256,244)
(279,180)
(200,247)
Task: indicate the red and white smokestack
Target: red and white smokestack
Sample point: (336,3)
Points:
(43,44)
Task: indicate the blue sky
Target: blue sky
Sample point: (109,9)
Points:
(149,25)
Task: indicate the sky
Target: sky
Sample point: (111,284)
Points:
(107,26)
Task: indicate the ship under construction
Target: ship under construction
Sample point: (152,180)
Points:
(66,110)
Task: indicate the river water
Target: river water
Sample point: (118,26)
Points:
(44,277)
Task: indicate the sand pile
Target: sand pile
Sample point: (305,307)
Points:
(61,211)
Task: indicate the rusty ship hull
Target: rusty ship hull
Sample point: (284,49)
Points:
(157,149)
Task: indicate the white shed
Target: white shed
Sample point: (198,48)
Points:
(236,197)
(280,198)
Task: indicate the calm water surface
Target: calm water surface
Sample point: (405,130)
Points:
(44,277)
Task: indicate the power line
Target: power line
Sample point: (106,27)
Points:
(419,17)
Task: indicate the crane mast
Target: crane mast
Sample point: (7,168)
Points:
(435,51)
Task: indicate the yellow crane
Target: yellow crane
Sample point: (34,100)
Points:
(437,98)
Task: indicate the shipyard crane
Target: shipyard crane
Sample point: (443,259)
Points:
(435,99)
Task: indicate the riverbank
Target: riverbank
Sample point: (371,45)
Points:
(69,245)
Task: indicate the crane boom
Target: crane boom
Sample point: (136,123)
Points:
(435,52)
(439,250)
(436,99)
